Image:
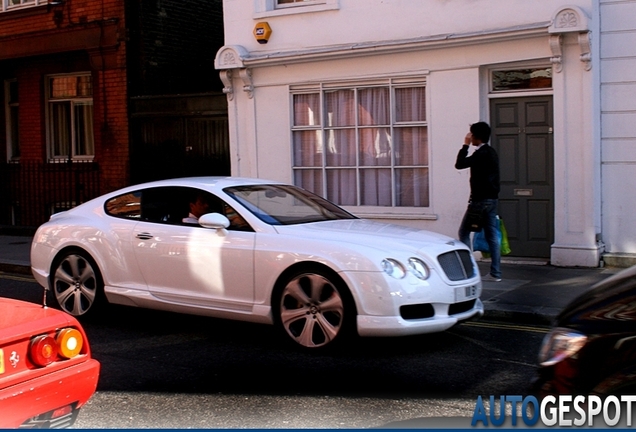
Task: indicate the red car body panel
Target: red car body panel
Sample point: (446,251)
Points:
(27,390)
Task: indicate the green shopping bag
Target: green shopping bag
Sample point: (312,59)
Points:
(480,244)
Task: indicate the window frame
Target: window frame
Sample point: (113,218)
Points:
(5,5)
(392,84)
(74,101)
(269,8)
(11,133)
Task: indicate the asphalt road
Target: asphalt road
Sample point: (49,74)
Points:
(165,370)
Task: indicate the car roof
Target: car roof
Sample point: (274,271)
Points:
(208,182)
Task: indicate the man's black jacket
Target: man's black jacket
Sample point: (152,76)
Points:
(484,171)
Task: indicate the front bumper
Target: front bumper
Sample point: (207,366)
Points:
(398,326)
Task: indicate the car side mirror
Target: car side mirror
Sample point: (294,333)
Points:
(214,221)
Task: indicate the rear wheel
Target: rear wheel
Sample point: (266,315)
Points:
(76,283)
(315,309)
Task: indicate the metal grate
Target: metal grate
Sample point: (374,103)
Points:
(457,265)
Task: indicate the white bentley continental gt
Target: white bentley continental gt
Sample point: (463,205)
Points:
(264,252)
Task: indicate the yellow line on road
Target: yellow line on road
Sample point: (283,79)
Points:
(16,277)
(507,326)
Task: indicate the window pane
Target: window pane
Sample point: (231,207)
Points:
(341,147)
(15,134)
(13,92)
(64,87)
(61,128)
(340,108)
(310,180)
(522,79)
(375,187)
(411,146)
(307,110)
(341,186)
(84,129)
(374,106)
(375,147)
(308,148)
(410,104)
(412,187)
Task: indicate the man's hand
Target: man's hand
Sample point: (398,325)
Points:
(468,138)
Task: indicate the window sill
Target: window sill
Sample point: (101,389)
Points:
(390,213)
(24,11)
(296,10)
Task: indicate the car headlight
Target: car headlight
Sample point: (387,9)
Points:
(560,344)
(419,268)
(393,268)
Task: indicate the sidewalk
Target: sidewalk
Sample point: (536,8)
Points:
(531,292)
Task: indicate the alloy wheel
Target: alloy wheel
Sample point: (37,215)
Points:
(312,310)
(75,285)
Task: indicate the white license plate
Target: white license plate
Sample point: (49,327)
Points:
(465,293)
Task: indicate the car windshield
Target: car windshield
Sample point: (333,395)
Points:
(286,205)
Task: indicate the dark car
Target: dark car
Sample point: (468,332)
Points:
(591,348)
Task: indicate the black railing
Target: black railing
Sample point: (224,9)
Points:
(32,191)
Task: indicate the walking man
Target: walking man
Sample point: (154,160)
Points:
(484,191)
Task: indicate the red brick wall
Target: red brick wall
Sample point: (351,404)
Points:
(109,81)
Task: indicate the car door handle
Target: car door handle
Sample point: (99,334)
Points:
(144,236)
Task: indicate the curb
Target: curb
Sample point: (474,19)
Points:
(19,269)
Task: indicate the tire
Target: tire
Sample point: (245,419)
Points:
(77,286)
(315,309)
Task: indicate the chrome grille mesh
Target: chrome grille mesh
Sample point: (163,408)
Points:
(457,265)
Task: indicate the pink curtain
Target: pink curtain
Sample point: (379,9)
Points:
(365,164)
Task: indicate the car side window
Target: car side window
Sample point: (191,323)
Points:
(165,204)
(126,206)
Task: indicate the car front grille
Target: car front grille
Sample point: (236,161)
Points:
(457,265)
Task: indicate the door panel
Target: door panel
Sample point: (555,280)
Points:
(522,135)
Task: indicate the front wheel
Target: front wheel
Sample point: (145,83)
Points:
(76,283)
(315,310)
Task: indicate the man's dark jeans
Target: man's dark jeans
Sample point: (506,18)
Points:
(490,231)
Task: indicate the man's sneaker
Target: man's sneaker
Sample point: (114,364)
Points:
(490,278)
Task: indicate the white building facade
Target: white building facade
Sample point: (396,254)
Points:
(367,102)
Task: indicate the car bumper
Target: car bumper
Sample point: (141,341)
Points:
(398,326)
(39,397)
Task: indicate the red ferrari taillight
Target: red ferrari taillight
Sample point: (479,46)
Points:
(43,350)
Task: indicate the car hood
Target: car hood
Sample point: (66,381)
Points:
(378,235)
(609,306)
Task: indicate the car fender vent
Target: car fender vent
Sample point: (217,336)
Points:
(461,307)
(417,311)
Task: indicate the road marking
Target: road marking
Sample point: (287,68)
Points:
(507,326)
(16,277)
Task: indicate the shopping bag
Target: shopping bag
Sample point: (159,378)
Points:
(480,243)
(505,246)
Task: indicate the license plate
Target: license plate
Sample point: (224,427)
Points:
(465,293)
(1,361)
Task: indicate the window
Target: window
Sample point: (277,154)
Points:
(291,2)
(70,117)
(7,5)
(521,79)
(363,146)
(170,205)
(269,8)
(12,119)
